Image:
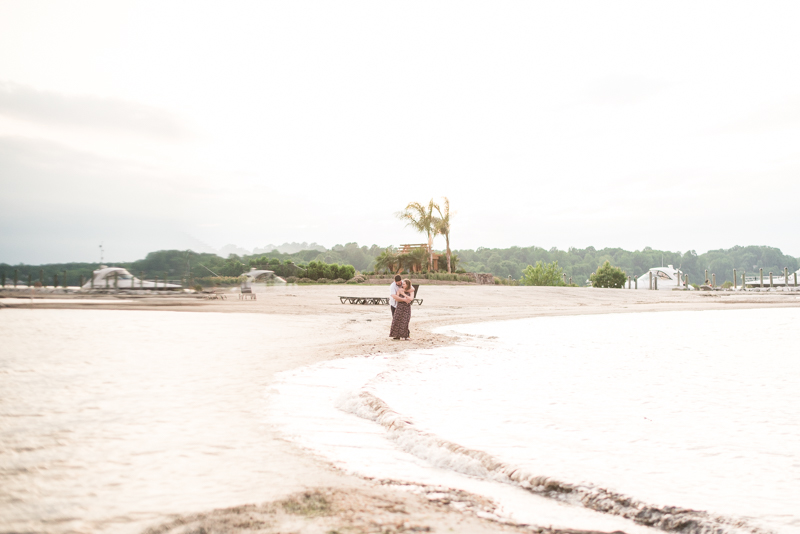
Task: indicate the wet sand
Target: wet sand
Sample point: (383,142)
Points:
(310,496)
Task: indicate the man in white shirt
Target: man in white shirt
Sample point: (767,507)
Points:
(398,282)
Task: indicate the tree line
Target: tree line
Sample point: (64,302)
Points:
(337,262)
(578,264)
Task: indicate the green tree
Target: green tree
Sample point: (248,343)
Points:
(341,271)
(232,267)
(543,274)
(608,276)
(414,259)
(356,256)
(722,267)
(387,260)
(454,261)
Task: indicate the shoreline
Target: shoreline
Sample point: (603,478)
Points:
(325,329)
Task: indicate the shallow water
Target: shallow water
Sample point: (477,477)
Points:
(692,409)
(114,420)
(111,421)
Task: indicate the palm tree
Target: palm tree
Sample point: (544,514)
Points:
(412,260)
(421,219)
(443,226)
(405,261)
(388,259)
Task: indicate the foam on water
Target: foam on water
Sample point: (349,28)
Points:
(681,420)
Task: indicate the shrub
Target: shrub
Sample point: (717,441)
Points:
(344,271)
(351,282)
(305,281)
(543,274)
(198,287)
(291,279)
(608,276)
(323,281)
(728,284)
(339,281)
(316,270)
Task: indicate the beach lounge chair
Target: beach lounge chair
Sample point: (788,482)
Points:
(214,294)
(378,300)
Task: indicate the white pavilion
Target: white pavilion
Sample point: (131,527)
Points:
(120,278)
(668,277)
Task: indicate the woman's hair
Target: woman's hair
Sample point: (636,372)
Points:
(407,284)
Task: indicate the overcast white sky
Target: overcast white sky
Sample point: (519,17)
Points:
(149,125)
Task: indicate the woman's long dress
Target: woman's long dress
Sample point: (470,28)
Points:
(402,316)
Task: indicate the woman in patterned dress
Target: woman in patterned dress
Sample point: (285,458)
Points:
(402,316)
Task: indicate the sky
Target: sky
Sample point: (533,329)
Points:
(172,125)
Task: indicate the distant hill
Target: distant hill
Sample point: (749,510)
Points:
(290,248)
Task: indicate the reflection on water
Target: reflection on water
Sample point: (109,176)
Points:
(110,420)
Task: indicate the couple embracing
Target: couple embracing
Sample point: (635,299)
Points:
(401,294)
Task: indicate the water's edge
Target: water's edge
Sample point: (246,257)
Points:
(478,463)
(456,458)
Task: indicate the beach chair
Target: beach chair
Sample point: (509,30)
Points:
(215,294)
(379,300)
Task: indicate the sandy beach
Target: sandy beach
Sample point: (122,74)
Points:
(313,326)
